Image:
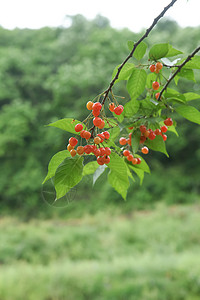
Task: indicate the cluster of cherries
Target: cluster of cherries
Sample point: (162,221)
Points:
(156,69)
(101,153)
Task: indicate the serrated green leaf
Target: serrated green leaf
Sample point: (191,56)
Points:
(68,174)
(55,161)
(125,72)
(189,112)
(135,140)
(139,172)
(186,73)
(109,143)
(158,51)
(90,168)
(172,52)
(110,122)
(136,82)
(67,124)
(131,108)
(99,171)
(118,175)
(173,129)
(139,51)
(191,96)
(143,165)
(174,96)
(157,145)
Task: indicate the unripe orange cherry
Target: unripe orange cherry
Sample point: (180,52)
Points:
(145,150)
(130,157)
(146,133)
(159,65)
(73,141)
(73,152)
(89,105)
(80,150)
(155,85)
(122,141)
(87,135)
(97,140)
(112,106)
(70,147)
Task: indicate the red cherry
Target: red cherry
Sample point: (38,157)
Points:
(73,141)
(112,106)
(96,112)
(122,141)
(101,126)
(155,85)
(100,160)
(145,150)
(152,68)
(134,161)
(78,127)
(157,95)
(97,121)
(164,137)
(103,151)
(108,151)
(118,110)
(159,65)
(106,159)
(143,128)
(139,160)
(168,122)
(126,153)
(106,134)
(164,128)
(142,139)
(88,149)
(157,131)
(130,157)
(97,106)
(151,135)
(87,135)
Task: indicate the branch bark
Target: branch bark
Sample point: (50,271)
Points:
(178,70)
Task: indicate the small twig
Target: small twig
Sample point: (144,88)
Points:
(178,70)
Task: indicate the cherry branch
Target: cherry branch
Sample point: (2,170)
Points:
(178,70)
(134,47)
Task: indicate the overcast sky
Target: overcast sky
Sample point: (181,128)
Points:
(134,14)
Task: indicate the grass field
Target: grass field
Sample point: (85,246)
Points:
(142,255)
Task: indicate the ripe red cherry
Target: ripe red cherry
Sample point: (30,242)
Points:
(97,121)
(97,106)
(139,160)
(101,136)
(134,161)
(88,149)
(78,127)
(103,151)
(164,128)
(107,150)
(157,95)
(100,160)
(82,133)
(168,122)
(118,110)
(87,135)
(130,157)
(143,128)
(142,139)
(157,131)
(155,85)
(96,112)
(122,141)
(73,141)
(152,68)
(164,137)
(151,135)
(126,153)
(106,159)
(101,126)
(106,134)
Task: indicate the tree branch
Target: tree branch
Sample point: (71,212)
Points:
(135,46)
(178,70)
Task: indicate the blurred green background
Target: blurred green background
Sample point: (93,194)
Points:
(95,245)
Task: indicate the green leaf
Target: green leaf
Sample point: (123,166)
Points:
(125,72)
(158,51)
(191,96)
(90,168)
(114,133)
(99,171)
(189,112)
(68,174)
(136,82)
(185,73)
(118,175)
(131,108)
(150,79)
(173,52)
(55,161)
(173,129)
(139,51)
(109,143)
(157,145)
(67,124)
(135,140)
(194,63)
(139,172)
(143,165)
